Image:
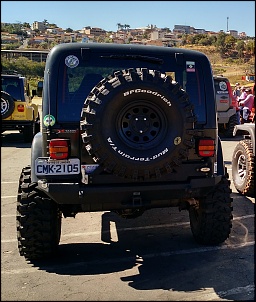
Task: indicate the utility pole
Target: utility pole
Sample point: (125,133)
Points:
(227,23)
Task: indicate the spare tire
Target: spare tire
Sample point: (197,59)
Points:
(135,124)
(7,104)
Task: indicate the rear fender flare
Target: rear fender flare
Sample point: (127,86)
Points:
(220,161)
(36,151)
(30,113)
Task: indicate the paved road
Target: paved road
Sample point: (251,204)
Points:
(104,257)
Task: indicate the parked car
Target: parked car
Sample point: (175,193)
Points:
(226,106)
(17,109)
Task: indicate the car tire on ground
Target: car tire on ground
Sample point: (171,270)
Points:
(7,104)
(243,168)
(210,217)
(29,132)
(228,131)
(135,124)
(38,220)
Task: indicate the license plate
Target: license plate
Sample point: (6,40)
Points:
(44,166)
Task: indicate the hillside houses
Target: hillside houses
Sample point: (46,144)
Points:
(7,38)
(45,36)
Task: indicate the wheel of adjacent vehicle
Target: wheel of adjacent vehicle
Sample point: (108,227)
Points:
(211,217)
(228,131)
(38,220)
(7,104)
(137,124)
(29,132)
(243,168)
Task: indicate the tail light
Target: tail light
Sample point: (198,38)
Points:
(206,147)
(59,148)
(233,99)
(234,102)
(20,108)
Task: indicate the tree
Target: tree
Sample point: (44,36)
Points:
(69,30)
(24,66)
(26,25)
(220,43)
(126,26)
(204,41)
(240,47)
(250,46)
(230,42)
(184,39)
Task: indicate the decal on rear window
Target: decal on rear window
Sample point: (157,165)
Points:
(72,61)
(190,66)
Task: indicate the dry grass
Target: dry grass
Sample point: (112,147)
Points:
(232,69)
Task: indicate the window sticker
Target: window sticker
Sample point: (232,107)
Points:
(190,66)
(72,61)
(49,120)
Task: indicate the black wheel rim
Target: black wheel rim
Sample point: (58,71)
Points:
(141,124)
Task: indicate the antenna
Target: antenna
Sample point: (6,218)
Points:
(227,23)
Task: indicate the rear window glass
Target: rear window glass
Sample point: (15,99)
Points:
(11,86)
(77,80)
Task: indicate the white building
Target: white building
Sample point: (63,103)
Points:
(38,25)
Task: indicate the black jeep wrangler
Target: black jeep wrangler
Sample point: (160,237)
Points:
(125,128)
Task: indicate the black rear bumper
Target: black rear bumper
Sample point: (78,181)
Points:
(14,125)
(113,197)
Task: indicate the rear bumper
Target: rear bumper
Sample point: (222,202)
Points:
(123,196)
(14,125)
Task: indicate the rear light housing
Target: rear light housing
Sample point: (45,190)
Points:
(231,97)
(234,102)
(59,148)
(206,147)
(20,108)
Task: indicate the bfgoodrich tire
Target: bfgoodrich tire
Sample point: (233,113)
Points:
(243,168)
(7,104)
(38,220)
(210,217)
(135,124)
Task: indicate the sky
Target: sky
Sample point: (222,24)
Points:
(208,15)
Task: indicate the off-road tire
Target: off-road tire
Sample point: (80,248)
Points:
(243,168)
(229,127)
(7,104)
(210,217)
(38,220)
(137,124)
(29,132)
